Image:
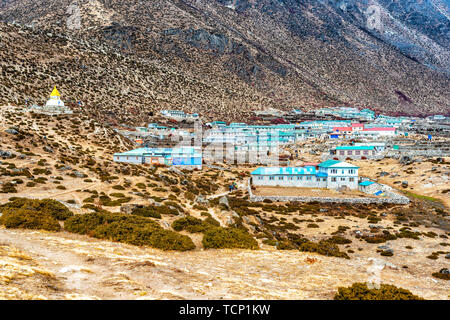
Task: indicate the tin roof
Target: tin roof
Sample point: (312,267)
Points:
(285,171)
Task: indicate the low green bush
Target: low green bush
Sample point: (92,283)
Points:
(132,229)
(56,209)
(440,275)
(21,218)
(190,224)
(323,247)
(360,291)
(34,214)
(219,238)
(149,211)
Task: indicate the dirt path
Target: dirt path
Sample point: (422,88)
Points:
(88,268)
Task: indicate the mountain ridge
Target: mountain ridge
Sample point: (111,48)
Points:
(279,54)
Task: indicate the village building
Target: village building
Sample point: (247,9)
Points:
(330,174)
(354,152)
(179,115)
(184,157)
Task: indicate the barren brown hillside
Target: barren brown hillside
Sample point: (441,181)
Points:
(226,58)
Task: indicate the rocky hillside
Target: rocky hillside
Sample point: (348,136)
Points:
(224,58)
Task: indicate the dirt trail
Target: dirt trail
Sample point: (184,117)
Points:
(89,268)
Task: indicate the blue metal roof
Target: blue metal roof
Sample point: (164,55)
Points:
(355,148)
(329,163)
(285,171)
(366,183)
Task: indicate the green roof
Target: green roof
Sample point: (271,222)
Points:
(328,163)
(336,164)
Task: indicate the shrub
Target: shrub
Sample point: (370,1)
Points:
(26,219)
(130,229)
(228,238)
(323,247)
(8,187)
(200,207)
(339,240)
(34,214)
(360,291)
(149,211)
(48,206)
(145,235)
(441,275)
(190,224)
(385,236)
(210,220)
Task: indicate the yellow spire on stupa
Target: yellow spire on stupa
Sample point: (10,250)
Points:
(55,93)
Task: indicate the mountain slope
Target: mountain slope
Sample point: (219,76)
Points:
(242,55)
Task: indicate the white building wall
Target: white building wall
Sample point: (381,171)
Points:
(129,159)
(338,177)
(298,181)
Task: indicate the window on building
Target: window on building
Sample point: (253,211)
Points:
(308,178)
(351,171)
(351,179)
(342,179)
(299,178)
(350,152)
(280,178)
(260,178)
(324,179)
(271,178)
(357,152)
(366,152)
(341,153)
(333,179)
(333,170)
(291,178)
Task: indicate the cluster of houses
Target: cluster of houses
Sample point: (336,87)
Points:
(346,124)
(347,113)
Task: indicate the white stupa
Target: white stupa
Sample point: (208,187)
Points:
(55,104)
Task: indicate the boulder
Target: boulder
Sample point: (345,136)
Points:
(201,199)
(48,149)
(12,131)
(79,174)
(128,208)
(5,154)
(405,160)
(444,271)
(224,201)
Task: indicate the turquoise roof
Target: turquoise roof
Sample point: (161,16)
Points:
(329,163)
(366,183)
(355,148)
(285,171)
(336,164)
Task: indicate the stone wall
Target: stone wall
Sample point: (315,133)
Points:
(392,197)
